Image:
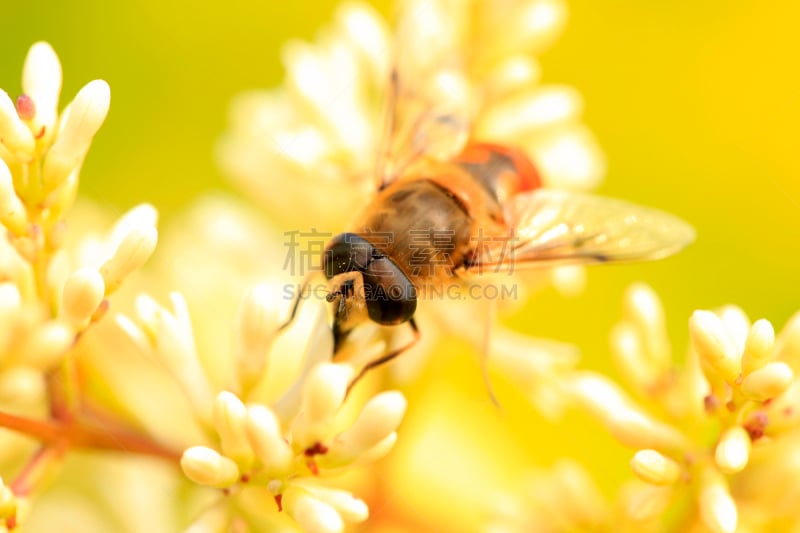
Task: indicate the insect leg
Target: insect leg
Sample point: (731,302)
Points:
(389,131)
(375,363)
(485,346)
(341,329)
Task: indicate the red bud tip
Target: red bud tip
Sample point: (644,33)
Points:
(279,502)
(756,424)
(710,403)
(26,109)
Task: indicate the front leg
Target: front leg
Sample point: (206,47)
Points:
(375,363)
(349,309)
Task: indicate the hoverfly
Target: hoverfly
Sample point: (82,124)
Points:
(487,200)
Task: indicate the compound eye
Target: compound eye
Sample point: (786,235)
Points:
(346,253)
(390,296)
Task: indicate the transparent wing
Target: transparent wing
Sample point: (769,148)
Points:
(422,120)
(428,104)
(557,227)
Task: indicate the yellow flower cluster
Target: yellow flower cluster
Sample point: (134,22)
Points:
(284,450)
(53,289)
(302,143)
(57,352)
(708,432)
(256,453)
(47,301)
(238,424)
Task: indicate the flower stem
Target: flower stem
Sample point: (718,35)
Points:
(40,467)
(76,433)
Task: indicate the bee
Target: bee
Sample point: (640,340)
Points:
(435,220)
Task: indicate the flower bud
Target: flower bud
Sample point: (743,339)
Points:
(787,343)
(529,27)
(514,73)
(653,467)
(172,336)
(256,324)
(630,359)
(207,467)
(533,109)
(575,489)
(715,345)
(150,315)
(783,413)
(141,216)
(733,450)
(229,420)
(14,133)
(8,501)
(569,280)
(378,451)
(368,32)
(41,81)
(83,292)
(21,386)
(61,201)
(637,430)
(46,345)
(643,308)
(212,518)
(717,508)
(12,211)
(323,393)
(80,122)
(767,382)
(641,502)
(264,433)
(605,400)
(758,346)
(349,507)
(569,157)
(313,515)
(378,419)
(134,250)
(737,323)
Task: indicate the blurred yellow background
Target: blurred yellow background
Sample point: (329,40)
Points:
(696,104)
